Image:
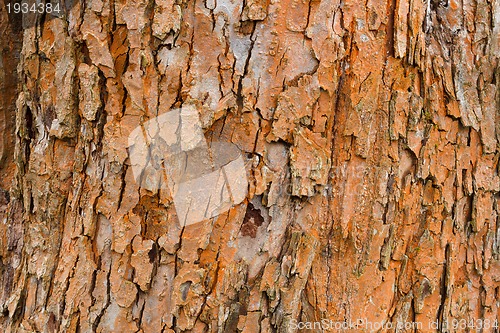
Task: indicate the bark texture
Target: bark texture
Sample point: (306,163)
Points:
(371,134)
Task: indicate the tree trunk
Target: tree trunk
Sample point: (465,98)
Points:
(370,135)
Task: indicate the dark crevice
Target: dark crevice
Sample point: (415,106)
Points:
(389,29)
(443,290)
(239,95)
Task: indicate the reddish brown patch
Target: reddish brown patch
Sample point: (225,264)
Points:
(251,222)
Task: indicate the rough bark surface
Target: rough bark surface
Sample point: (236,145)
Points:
(371,134)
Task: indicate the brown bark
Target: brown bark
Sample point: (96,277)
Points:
(371,135)
(9,55)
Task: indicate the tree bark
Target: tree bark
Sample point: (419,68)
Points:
(370,132)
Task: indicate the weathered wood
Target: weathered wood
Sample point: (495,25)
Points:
(370,132)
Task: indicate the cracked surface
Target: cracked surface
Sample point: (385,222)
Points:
(371,134)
